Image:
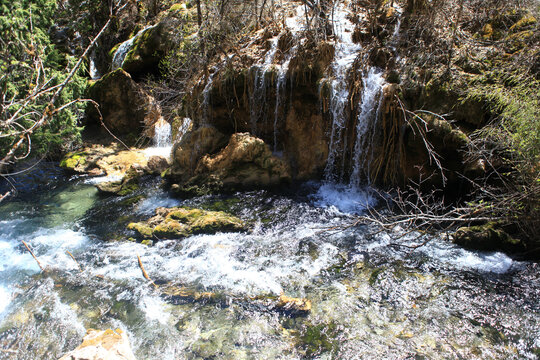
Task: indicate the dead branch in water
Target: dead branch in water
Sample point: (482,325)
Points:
(34,256)
(145,274)
(76,262)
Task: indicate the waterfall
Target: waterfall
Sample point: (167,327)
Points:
(162,134)
(123,49)
(373,83)
(92,69)
(280,91)
(258,98)
(345,53)
(162,140)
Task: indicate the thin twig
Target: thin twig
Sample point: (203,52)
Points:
(34,256)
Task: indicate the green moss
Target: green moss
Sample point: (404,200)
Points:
(113,50)
(72,160)
(128,188)
(489,236)
(321,338)
(143,229)
(526,20)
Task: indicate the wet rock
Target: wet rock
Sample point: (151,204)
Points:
(157,164)
(127,109)
(127,185)
(487,237)
(296,306)
(180,222)
(102,345)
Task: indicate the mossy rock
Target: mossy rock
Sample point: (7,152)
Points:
(318,339)
(180,222)
(487,237)
(73,160)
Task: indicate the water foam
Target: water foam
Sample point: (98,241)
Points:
(343,198)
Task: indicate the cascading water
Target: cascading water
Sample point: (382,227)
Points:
(124,48)
(162,134)
(370,300)
(258,97)
(92,69)
(345,54)
(162,140)
(373,82)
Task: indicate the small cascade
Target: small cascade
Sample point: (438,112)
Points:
(258,97)
(373,83)
(162,133)
(162,140)
(92,69)
(345,53)
(280,92)
(123,49)
(184,128)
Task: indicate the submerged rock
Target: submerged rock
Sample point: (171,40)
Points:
(102,345)
(180,222)
(125,186)
(246,162)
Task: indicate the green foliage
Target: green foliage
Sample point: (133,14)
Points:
(514,98)
(29,60)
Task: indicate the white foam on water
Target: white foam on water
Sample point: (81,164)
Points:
(5,298)
(102,179)
(151,203)
(494,262)
(154,309)
(343,198)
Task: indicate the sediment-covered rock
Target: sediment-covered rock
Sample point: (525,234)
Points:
(180,222)
(96,159)
(246,162)
(102,345)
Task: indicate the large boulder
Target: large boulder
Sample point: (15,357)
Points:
(191,148)
(245,163)
(102,345)
(180,222)
(126,108)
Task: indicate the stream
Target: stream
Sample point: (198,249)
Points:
(370,300)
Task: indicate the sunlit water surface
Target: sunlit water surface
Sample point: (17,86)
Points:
(371,299)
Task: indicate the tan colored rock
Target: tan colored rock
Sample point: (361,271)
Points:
(157,164)
(293,305)
(96,159)
(102,345)
(246,162)
(193,146)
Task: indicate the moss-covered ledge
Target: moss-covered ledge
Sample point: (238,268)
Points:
(181,222)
